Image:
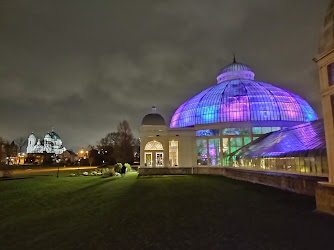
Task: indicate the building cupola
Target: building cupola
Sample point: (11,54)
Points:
(153,118)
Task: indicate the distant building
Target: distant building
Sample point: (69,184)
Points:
(68,157)
(51,144)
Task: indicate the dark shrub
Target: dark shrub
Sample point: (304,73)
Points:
(109,173)
(103,168)
(118,167)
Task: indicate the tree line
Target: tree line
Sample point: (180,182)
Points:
(9,149)
(115,147)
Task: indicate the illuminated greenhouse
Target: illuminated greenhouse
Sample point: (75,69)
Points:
(299,149)
(237,97)
(221,119)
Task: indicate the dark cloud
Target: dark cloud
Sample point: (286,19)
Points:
(83,66)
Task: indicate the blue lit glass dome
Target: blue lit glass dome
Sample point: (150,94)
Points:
(237,97)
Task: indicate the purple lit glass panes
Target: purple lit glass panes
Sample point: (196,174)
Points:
(308,112)
(207,132)
(236,131)
(296,139)
(234,103)
(208,110)
(185,115)
(214,152)
(175,119)
(330,70)
(288,105)
(242,100)
(202,152)
(263,106)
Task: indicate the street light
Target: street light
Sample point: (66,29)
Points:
(78,167)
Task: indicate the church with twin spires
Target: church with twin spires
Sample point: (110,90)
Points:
(51,144)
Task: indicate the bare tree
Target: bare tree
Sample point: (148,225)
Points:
(125,142)
(110,140)
(5,170)
(118,146)
(3,154)
(11,150)
(108,148)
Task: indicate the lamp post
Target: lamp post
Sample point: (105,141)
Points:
(58,171)
(79,166)
(80,154)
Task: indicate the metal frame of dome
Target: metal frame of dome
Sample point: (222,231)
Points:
(242,99)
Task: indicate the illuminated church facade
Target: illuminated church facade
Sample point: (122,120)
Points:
(51,144)
(218,121)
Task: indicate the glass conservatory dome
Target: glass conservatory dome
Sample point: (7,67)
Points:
(237,97)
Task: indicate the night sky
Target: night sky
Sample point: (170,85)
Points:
(84,66)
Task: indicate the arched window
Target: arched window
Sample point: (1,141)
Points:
(154,145)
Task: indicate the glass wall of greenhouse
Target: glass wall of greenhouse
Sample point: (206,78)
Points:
(214,145)
(300,150)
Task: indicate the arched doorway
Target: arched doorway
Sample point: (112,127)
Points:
(154,155)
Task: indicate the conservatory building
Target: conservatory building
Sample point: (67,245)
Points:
(215,123)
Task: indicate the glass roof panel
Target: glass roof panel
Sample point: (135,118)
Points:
(307,137)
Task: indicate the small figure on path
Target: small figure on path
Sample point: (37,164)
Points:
(123,170)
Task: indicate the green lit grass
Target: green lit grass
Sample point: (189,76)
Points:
(169,212)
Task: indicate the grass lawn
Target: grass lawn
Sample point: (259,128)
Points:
(167,212)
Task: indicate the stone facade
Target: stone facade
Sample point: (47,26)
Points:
(325,197)
(301,184)
(186,146)
(325,62)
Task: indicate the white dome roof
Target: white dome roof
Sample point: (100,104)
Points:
(32,135)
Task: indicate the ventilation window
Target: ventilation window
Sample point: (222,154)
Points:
(330,70)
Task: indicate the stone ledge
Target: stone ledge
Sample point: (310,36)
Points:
(324,196)
(301,184)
